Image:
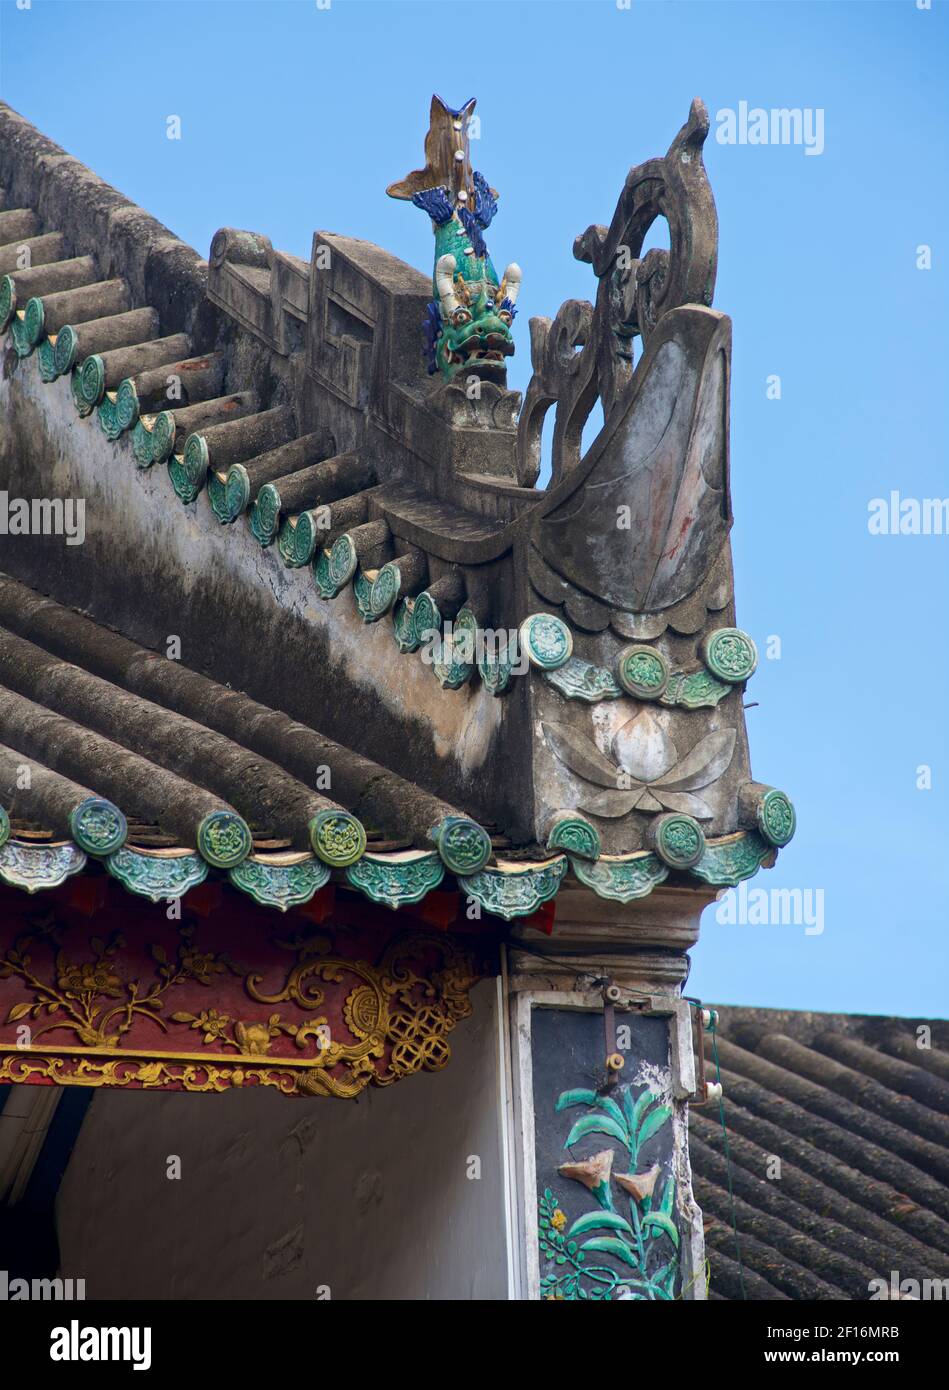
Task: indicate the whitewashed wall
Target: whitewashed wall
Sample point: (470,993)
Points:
(280,1196)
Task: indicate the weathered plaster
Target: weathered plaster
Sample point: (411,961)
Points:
(173,569)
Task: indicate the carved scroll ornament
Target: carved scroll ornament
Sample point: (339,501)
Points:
(587,351)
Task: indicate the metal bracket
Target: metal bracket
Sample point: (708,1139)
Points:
(615,1061)
(706,1091)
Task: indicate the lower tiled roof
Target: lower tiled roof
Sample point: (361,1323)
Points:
(162,773)
(838,1156)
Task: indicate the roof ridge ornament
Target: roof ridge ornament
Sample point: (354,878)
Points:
(468,325)
(587,350)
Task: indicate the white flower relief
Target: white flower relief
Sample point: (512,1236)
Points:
(646,774)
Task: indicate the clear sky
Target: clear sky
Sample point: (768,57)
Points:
(296,116)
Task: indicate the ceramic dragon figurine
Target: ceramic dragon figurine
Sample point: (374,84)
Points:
(468,328)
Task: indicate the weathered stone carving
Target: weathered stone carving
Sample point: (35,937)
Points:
(638,522)
(632,296)
(647,773)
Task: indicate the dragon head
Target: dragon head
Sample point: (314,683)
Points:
(469,328)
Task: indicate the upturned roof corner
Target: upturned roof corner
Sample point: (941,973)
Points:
(314,474)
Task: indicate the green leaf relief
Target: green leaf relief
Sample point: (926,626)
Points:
(660,1221)
(599,1220)
(596,1124)
(568,1098)
(643,1103)
(665,1278)
(653,1123)
(613,1110)
(601,1191)
(610,1245)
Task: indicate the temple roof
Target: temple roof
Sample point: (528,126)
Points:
(838,1141)
(443,664)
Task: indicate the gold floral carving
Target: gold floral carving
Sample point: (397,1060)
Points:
(397,1016)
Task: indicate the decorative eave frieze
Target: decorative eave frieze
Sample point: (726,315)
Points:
(285,879)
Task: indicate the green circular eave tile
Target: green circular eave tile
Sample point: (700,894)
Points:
(224,839)
(403,626)
(494,666)
(730,654)
(217,497)
(308,533)
(164,433)
(265,515)
(451,671)
(182,484)
(97,826)
(66,351)
(89,383)
(465,846)
(678,839)
(196,460)
(34,323)
(777,819)
(385,589)
(575,835)
(4,827)
(7,301)
(343,560)
(427,617)
(338,838)
(188,470)
(464,631)
(642,671)
(126,405)
(296,540)
(236,491)
(547,641)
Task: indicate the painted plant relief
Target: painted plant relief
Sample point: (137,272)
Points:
(626,1244)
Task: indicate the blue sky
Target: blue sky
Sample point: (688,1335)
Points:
(295,117)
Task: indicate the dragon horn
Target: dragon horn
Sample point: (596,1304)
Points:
(511,283)
(445,268)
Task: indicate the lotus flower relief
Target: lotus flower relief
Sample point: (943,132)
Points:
(646,773)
